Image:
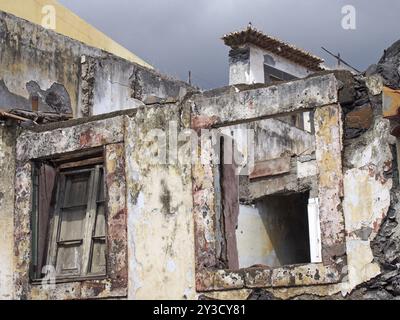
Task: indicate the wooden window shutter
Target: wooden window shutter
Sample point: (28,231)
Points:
(44,179)
(97,262)
(47,179)
(67,244)
(230,200)
(94,243)
(78,228)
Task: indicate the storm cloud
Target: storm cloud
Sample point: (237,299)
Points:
(176,36)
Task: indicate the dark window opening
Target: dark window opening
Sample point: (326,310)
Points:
(273,74)
(274,231)
(286,222)
(69,216)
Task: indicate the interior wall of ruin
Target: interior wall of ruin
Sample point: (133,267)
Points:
(370,198)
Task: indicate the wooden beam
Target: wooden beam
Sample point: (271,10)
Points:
(82,163)
(13,116)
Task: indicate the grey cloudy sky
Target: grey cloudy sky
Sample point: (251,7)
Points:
(180,35)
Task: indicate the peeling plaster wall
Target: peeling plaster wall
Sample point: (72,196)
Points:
(159,213)
(367,198)
(160,220)
(225,108)
(119,84)
(368,182)
(30,53)
(36,61)
(7,168)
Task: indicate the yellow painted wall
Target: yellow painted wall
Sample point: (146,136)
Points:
(68,24)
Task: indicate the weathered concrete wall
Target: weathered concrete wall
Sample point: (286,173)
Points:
(160,220)
(224,108)
(216,108)
(159,209)
(69,75)
(31,10)
(369,193)
(367,188)
(31,54)
(119,84)
(7,169)
(370,201)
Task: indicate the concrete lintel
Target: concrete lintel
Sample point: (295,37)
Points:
(33,145)
(262,103)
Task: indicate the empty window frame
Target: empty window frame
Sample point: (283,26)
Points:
(69,217)
(275,231)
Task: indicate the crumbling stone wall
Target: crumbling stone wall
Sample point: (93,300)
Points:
(119,84)
(385,244)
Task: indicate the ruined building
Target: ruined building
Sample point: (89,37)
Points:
(119,182)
